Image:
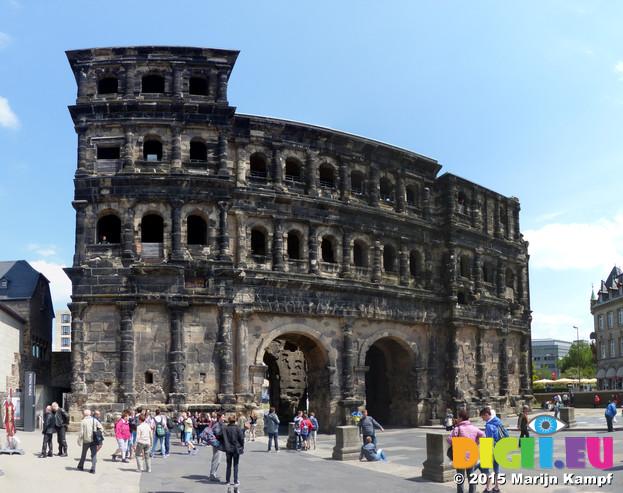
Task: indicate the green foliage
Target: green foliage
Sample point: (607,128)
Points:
(579,355)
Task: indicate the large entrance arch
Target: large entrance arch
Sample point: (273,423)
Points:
(390,383)
(298,377)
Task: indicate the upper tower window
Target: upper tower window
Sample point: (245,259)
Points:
(108,152)
(152,150)
(109,229)
(152,229)
(258,166)
(294,246)
(293,170)
(327,250)
(108,85)
(258,242)
(197,230)
(360,254)
(198,151)
(412,196)
(386,190)
(327,179)
(356,183)
(198,85)
(153,83)
(389,258)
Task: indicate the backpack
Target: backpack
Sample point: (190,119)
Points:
(502,432)
(169,423)
(160,431)
(305,429)
(208,436)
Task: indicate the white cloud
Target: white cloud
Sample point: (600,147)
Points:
(576,246)
(7,117)
(60,285)
(559,326)
(44,251)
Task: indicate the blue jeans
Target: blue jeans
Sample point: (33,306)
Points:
(380,455)
(299,441)
(167,439)
(609,422)
(460,487)
(273,436)
(156,441)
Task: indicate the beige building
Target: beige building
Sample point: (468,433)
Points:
(11,328)
(607,310)
(62,332)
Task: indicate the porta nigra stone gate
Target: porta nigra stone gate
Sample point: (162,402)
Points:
(219,255)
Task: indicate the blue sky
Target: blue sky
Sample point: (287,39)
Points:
(524,98)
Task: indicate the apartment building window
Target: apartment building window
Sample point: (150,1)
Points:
(65,330)
(610,320)
(620,316)
(600,322)
(64,341)
(612,348)
(65,318)
(603,350)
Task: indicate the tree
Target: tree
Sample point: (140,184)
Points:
(580,354)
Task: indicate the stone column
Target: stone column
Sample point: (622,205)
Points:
(242,240)
(224,253)
(344,181)
(373,187)
(221,96)
(480,363)
(346,254)
(78,368)
(226,356)
(525,365)
(128,246)
(128,148)
(222,155)
(242,361)
(81,240)
(404,265)
(503,334)
(377,275)
(176,148)
(501,279)
(177,355)
(176,230)
(348,360)
(126,356)
(278,246)
(83,167)
(177,79)
(313,248)
(400,194)
(312,175)
(130,80)
(277,169)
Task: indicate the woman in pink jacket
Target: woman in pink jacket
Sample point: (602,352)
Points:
(123,435)
(465,429)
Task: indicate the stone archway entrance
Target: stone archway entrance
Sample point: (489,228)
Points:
(298,377)
(390,383)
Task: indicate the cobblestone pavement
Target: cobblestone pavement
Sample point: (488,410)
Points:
(287,471)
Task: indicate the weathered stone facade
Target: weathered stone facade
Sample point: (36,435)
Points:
(242,247)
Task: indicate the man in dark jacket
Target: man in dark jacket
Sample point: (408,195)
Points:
(216,451)
(61,418)
(271,428)
(234,446)
(367,424)
(48,432)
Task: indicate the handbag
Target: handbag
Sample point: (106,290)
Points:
(240,450)
(98,437)
(450,452)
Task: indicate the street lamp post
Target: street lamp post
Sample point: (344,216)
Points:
(577,330)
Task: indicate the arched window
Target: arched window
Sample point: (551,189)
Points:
(360,254)
(386,190)
(414,263)
(108,85)
(327,179)
(293,170)
(152,229)
(109,229)
(149,377)
(152,150)
(294,245)
(198,85)
(196,231)
(464,267)
(503,220)
(461,205)
(258,242)
(412,196)
(487,272)
(356,182)
(257,166)
(510,278)
(153,83)
(389,258)
(327,251)
(198,151)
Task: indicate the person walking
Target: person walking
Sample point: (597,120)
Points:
(522,423)
(88,426)
(491,431)
(252,425)
(123,436)
(234,447)
(48,432)
(217,429)
(464,428)
(306,428)
(160,433)
(133,423)
(61,419)
(142,447)
(611,412)
(314,432)
(271,428)
(367,425)
(188,433)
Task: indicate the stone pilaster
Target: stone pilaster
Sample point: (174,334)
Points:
(83,165)
(176,230)
(78,363)
(221,96)
(176,148)
(480,363)
(278,246)
(377,275)
(503,361)
(224,252)
(81,241)
(222,155)
(348,358)
(242,353)
(241,249)
(525,365)
(346,254)
(126,356)
(313,248)
(344,181)
(373,187)
(311,170)
(128,240)
(128,148)
(400,194)
(403,257)
(177,355)
(177,80)
(226,356)
(130,80)
(277,165)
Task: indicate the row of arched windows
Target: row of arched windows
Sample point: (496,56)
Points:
(153,83)
(488,271)
(153,150)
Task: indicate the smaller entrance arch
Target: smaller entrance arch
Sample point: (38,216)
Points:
(390,382)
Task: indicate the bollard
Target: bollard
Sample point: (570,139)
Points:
(347,443)
(437,466)
(291,443)
(567,414)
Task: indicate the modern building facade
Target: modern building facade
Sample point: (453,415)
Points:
(607,310)
(546,354)
(62,331)
(216,249)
